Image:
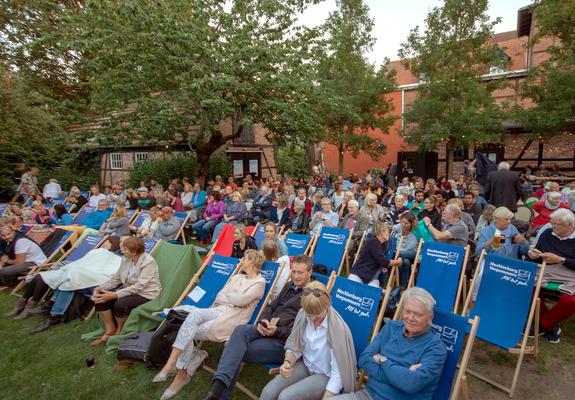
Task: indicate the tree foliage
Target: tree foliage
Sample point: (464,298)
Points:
(454,104)
(197,69)
(551,84)
(352,101)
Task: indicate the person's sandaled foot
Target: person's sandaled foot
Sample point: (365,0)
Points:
(163,376)
(175,387)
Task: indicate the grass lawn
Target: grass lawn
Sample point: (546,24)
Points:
(51,365)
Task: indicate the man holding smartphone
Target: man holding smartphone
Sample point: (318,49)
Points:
(263,342)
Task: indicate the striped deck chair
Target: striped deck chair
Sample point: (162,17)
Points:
(38,233)
(507,303)
(271,271)
(139,220)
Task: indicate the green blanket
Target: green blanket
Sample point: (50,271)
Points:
(177,265)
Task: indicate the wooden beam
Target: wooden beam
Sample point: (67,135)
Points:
(540,154)
(522,153)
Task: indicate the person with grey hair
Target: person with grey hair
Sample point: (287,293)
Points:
(97,218)
(299,221)
(454,230)
(544,209)
(501,236)
(325,217)
(503,187)
(406,358)
(556,246)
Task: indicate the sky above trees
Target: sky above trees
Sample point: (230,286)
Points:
(394,19)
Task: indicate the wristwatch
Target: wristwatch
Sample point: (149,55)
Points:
(382,359)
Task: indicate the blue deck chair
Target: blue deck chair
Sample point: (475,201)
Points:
(131,213)
(88,243)
(452,329)
(441,271)
(68,206)
(150,245)
(297,244)
(183,217)
(259,235)
(506,302)
(270,271)
(330,248)
(3,207)
(213,278)
(86,195)
(81,216)
(58,200)
(358,305)
(140,219)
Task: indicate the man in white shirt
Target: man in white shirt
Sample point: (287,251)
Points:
(52,189)
(21,254)
(325,217)
(96,196)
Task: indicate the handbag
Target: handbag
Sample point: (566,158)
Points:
(164,337)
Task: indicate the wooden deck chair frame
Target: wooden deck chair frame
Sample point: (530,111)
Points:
(345,252)
(182,227)
(533,317)
(78,212)
(348,265)
(49,262)
(461,289)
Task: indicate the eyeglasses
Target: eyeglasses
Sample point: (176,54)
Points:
(317,292)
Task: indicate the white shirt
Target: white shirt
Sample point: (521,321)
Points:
(318,356)
(283,278)
(93,201)
(332,217)
(34,253)
(52,190)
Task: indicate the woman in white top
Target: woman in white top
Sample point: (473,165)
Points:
(21,254)
(233,306)
(272,253)
(315,367)
(187,196)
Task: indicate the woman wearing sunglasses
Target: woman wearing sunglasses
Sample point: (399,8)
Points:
(314,366)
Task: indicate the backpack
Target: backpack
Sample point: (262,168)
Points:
(135,346)
(164,337)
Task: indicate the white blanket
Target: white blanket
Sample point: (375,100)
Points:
(93,269)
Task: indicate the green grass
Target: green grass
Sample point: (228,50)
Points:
(51,365)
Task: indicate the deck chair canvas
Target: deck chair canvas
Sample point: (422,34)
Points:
(81,216)
(183,217)
(506,302)
(225,242)
(259,235)
(452,329)
(330,248)
(297,243)
(441,272)
(271,271)
(358,304)
(139,220)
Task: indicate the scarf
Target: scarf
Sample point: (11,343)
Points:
(550,206)
(339,339)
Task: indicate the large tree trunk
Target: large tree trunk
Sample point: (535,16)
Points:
(449,149)
(204,151)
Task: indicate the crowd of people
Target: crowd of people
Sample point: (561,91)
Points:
(299,328)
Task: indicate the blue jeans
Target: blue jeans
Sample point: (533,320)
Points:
(408,256)
(247,345)
(203,228)
(63,298)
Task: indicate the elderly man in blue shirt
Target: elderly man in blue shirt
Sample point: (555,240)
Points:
(325,217)
(405,361)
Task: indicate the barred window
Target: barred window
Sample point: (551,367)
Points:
(138,157)
(116,161)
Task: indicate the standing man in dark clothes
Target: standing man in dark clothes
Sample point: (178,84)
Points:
(503,187)
(264,342)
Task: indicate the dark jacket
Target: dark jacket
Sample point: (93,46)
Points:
(503,189)
(238,252)
(475,211)
(263,205)
(434,216)
(285,307)
(372,259)
(302,223)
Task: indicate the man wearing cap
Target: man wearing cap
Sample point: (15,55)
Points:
(169,226)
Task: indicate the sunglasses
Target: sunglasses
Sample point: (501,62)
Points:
(317,292)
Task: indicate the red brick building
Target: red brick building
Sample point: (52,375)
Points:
(517,148)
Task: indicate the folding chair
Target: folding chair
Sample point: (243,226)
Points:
(452,329)
(150,245)
(140,218)
(271,271)
(524,214)
(441,272)
(330,248)
(66,239)
(38,233)
(3,207)
(297,243)
(183,217)
(131,214)
(507,303)
(259,235)
(83,213)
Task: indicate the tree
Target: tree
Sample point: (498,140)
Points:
(353,91)
(454,104)
(198,70)
(551,84)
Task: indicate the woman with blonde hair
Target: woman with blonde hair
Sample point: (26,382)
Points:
(315,367)
(242,241)
(233,306)
(271,252)
(118,224)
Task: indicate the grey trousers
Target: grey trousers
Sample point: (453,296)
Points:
(9,273)
(301,385)
(361,395)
